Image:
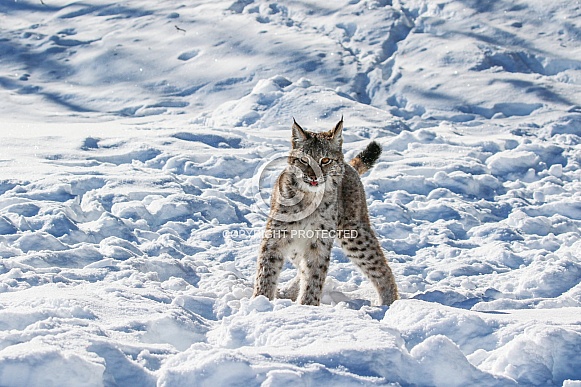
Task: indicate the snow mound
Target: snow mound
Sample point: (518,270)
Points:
(130,214)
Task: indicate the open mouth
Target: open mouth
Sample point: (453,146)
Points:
(313,182)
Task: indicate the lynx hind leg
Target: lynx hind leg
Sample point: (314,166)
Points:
(307,286)
(291,289)
(363,249)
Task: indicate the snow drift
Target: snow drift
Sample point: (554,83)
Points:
(130,137)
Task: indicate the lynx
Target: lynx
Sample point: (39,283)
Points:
(319,198)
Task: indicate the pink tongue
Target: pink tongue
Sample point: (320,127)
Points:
(314,182)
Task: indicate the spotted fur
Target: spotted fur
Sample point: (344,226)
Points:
(333,200)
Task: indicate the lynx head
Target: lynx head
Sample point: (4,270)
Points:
(316,156)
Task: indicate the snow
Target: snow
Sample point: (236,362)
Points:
(134,135)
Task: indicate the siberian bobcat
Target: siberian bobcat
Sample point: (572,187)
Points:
(319,198)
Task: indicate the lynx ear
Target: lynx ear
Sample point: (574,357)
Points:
(337,133)
(299,134)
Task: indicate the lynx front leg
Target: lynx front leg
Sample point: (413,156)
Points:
(312,278)
(268,268)
(363,248)
(313,272)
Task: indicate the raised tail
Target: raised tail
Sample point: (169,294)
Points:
(366,159)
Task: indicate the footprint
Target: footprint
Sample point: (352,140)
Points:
(168,104)
(90,143)
(70,42)
(349,28)
(185,56)
(212,140)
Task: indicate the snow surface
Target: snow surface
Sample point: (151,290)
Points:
(130,136)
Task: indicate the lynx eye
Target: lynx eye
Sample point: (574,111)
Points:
(325,161)
(304,160)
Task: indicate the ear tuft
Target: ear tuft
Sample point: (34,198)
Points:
(298,134)
(337,133)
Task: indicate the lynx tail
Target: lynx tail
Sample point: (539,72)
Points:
(365,160)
